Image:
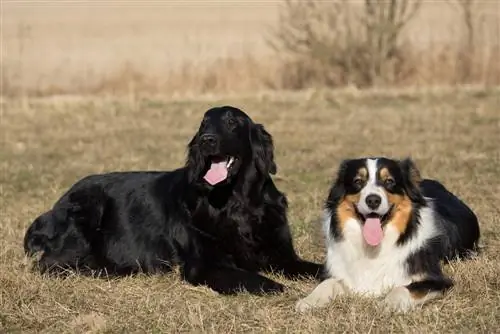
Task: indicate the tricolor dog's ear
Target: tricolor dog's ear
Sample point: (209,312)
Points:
(338,189)
(263,149)
(412,179)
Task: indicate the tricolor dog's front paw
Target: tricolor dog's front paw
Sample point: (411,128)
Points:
(399,300)
(325,292)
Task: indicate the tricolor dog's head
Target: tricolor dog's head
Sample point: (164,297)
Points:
(227,144)
(375,192)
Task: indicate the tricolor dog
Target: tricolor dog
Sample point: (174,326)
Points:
(387,231)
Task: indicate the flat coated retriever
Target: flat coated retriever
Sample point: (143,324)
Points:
(220,217)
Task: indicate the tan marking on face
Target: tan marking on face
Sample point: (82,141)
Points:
(345,209)
(362,173)
(384,174)
(401,211)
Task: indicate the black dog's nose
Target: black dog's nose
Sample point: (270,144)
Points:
(373,201)
(208,140)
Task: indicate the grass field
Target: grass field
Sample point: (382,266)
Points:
(48,144)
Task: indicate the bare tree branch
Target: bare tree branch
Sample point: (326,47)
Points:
(326,35)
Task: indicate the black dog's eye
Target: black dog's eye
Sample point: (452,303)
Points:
(231,122)
(203,123)
(358,182)
(389,183)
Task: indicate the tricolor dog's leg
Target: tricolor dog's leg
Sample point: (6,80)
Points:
(321,295)
(405,298)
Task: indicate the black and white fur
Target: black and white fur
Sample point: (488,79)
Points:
(405,267)
(220,235)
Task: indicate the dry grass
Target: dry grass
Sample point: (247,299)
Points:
(48,144)
(185,48)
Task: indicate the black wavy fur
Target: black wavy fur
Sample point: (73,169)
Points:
(221,236)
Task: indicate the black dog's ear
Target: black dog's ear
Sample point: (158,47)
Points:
(194,161)
(412,179)
(263,149)
(337,191)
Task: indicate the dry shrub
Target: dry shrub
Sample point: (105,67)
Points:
(452,65)
(340,43)
(476,56)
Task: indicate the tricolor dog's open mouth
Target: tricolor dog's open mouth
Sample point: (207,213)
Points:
(372,226)
(219,169)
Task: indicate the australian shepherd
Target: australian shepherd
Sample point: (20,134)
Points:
(387,231)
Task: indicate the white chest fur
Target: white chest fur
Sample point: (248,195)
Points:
(374,270)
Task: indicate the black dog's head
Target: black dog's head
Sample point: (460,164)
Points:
(227,143)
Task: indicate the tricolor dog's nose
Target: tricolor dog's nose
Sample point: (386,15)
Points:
(373,201)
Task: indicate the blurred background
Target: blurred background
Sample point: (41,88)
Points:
(184,48)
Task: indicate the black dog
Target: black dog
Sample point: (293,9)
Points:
(221,218)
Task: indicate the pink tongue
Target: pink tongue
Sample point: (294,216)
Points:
(217,173)
(372,231)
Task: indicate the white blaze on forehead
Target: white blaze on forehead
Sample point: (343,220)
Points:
(372,188)
(371,183)
(371,165)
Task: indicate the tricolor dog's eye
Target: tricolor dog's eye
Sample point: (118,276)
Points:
(358,182)
(389,183)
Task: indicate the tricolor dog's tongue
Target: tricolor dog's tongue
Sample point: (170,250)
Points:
(217,172)
(372,231)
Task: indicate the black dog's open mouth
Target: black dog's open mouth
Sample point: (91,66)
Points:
(218,169)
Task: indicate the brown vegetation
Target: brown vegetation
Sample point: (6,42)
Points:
(384,43)
(337,43)
(176,49)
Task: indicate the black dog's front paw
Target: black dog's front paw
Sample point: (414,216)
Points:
(232,281)
(273,287)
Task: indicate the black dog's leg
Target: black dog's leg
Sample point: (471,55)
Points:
(285,261)
(198,269)
(300,268)
(230,280)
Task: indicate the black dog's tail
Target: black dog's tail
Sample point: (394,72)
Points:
(83,209)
